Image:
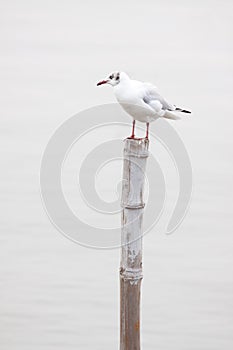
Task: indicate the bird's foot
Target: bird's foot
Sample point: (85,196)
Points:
(131,137)
(137,138)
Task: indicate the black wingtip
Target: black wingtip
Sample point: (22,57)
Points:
(182,110)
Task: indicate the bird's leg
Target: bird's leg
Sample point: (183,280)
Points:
(147,130)
(132,136)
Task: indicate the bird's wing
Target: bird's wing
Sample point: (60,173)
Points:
(150,95)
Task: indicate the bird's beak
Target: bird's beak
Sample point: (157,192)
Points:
(102,82)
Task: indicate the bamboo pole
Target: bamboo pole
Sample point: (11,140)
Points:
(135,156)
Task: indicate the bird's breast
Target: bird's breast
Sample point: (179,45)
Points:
(132,103)
(125,95)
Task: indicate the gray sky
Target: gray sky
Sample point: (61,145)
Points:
(52,53)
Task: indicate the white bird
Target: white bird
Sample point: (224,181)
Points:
(140,100)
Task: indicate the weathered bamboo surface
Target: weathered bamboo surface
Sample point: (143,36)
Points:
(135,156)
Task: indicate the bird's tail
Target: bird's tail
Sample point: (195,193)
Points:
(170,115)
(182,110)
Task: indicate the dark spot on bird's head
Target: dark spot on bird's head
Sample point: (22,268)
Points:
(114,78)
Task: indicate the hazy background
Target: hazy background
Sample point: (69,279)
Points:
(56,294)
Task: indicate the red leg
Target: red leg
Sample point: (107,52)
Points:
(147,130)
(132,136)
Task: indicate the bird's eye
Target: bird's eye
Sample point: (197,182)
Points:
(111,76)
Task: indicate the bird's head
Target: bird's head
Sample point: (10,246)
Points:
(113,79)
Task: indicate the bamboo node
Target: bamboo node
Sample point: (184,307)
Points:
(132,275)
(129,154)
(133,206)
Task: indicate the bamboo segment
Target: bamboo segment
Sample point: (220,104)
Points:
(135,156)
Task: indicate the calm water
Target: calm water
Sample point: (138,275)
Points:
(56,294)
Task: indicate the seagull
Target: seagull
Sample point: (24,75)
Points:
(141,100)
